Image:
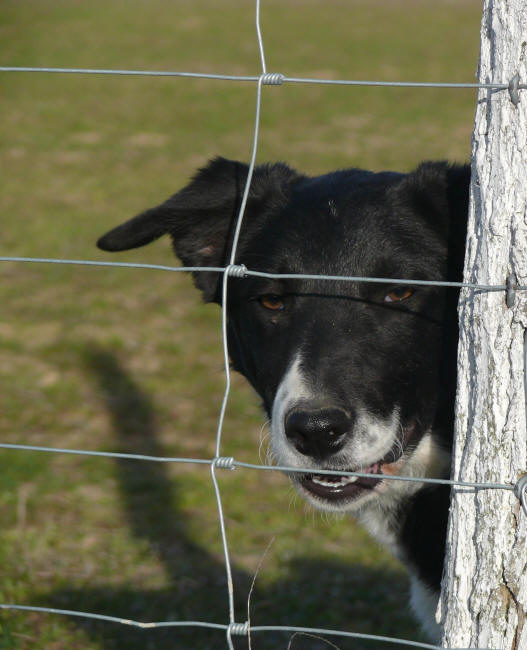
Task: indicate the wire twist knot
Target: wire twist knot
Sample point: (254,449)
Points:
(272,79)
(236,270)
(224,462)
(239,628)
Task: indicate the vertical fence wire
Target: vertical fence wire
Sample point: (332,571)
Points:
(225,283)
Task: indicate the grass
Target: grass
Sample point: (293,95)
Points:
(126,360)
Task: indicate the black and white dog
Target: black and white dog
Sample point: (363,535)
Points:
(354,376)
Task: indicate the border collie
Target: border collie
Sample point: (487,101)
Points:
(354,376)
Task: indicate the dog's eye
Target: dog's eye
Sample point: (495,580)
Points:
(272,302)
(397,294)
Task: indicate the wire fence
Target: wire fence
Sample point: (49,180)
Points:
(518,487)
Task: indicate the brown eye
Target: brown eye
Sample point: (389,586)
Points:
(272,302)
(398,293)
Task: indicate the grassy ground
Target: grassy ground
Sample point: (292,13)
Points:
(126,360)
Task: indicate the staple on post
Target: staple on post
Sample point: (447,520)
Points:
(520,490)
(511,286)
(514,87)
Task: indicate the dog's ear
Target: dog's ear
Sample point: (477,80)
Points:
(440,192)
(201,217)
(438,189)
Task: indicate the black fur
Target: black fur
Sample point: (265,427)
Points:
(361,352)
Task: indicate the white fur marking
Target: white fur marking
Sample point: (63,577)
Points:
(424,601)
(293,389)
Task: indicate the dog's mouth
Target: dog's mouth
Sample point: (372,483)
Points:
(333,487)
(336,487)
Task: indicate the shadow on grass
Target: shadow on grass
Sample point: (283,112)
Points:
(318,594)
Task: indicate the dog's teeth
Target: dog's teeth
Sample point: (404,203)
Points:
(332,482)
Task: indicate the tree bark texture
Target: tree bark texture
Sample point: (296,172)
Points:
(484,599)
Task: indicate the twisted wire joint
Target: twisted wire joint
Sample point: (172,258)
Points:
(236,270)
(241,629)
(272,79)
(224,462)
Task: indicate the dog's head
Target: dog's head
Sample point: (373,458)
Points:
(355,376)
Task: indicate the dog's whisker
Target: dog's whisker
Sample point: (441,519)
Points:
(265,433)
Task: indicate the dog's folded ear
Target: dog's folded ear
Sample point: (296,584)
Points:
(194,216)
(202,216)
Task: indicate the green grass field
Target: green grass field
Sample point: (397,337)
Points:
(128,360)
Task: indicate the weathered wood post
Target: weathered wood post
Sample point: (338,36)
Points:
(484,599)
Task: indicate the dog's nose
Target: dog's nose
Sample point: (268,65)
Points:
(318,433)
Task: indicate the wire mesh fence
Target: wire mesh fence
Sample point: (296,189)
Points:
(232,626)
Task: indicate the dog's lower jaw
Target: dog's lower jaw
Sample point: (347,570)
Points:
(350,499)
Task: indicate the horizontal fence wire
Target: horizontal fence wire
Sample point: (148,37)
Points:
(228,462)
(240,271)
(236,628)
(273,78)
